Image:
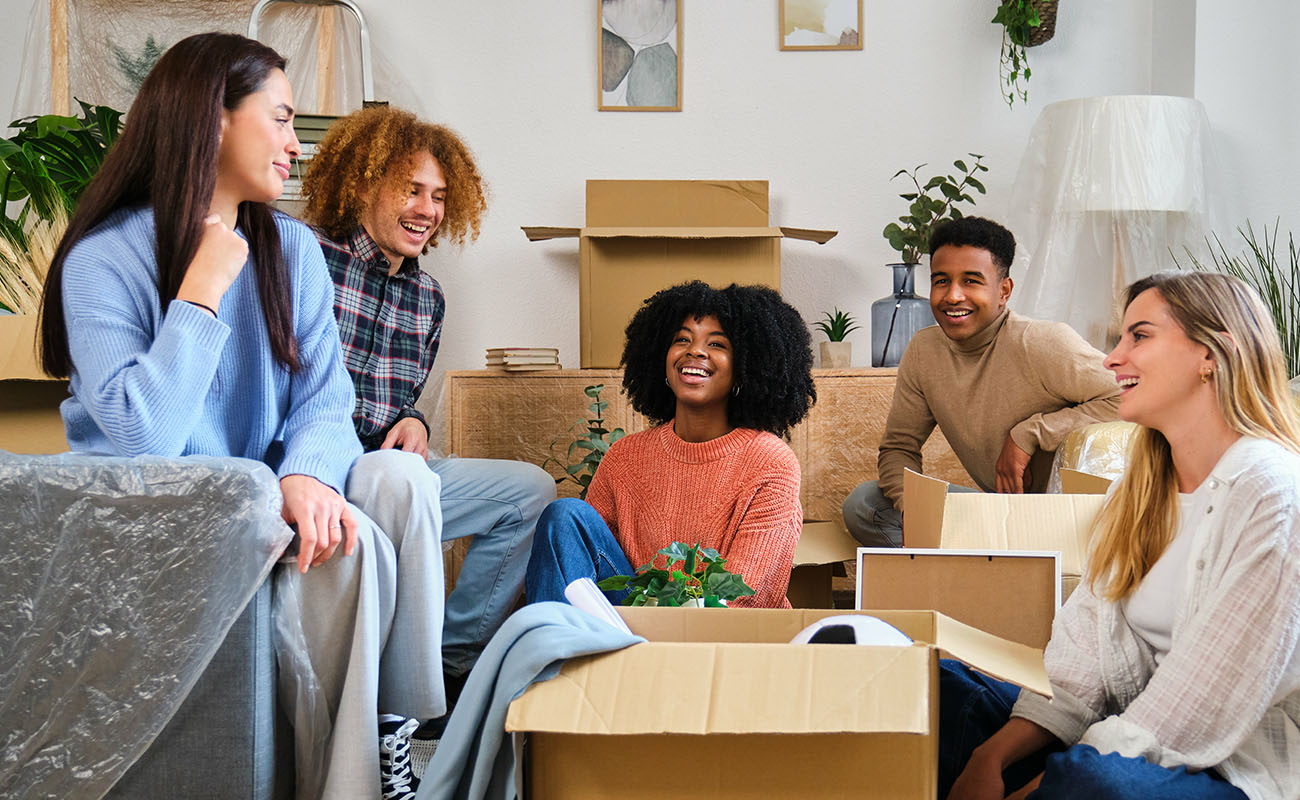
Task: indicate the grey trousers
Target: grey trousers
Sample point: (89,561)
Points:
(871,518)
(372,626)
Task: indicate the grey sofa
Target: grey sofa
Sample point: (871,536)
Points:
(136,631)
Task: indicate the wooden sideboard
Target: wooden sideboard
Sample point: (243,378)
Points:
(519,416)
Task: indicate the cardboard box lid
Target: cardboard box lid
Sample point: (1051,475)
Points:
(824,542)
(17,354)
(536,233)
(671,203)
(980,521)
(759,683)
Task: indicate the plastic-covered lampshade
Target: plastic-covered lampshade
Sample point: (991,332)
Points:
(1107,189)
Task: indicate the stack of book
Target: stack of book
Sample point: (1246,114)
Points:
(523,359)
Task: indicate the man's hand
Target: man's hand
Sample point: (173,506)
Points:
(408,434)
(322,517)
(1010,468)
(980,780)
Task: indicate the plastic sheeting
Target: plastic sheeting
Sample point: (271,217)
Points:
(119,578)
(1110,189)
(1099,449)
(109,42)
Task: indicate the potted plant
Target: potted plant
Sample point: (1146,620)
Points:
(595,439)
(1276,283)
(1025,23)
(700,580)
(836,353)
(896,317)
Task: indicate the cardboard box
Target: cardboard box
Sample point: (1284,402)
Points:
(982,521)
(29,399)
(819,557)
(1019,592)
(718,700)
(643,236)
(1075,482)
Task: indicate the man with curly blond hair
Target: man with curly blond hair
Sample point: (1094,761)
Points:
(382,188)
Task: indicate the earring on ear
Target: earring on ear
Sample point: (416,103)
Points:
(735,391)
(1205,376)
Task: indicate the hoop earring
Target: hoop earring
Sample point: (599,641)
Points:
(735,391)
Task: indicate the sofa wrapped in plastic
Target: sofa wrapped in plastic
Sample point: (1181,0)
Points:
(119,580)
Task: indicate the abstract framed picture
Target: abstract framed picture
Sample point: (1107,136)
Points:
(639,65)
(820,24)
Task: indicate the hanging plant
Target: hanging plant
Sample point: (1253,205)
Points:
(1025,23)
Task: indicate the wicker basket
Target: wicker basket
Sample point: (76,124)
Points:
(1047,26)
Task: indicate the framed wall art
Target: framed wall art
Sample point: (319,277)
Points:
(639,65)
(820,24)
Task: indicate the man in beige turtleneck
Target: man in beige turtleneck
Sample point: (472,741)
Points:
(1005,390)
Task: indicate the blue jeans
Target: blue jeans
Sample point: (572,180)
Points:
(496,502)
(973,706)
(572,541)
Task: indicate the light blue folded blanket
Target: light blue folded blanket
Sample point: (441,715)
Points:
(475,758)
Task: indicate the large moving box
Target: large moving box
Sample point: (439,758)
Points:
(29,399)
(643,236)
(718,701)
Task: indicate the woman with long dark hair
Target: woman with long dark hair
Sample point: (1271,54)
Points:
(191,319)
(1175,665)
(723,374)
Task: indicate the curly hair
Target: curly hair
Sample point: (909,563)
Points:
(771,354)
(375,147)
(978,232)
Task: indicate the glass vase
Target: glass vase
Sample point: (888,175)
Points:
(894,319)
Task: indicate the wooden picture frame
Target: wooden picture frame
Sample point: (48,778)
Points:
(819,16)
(639,55)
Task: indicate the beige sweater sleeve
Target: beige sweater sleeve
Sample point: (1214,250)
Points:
(908,426)
(1071,369)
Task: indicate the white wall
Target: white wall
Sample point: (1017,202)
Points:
(518,80)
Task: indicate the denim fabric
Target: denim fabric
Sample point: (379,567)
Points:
(498,503)
(872,519)
(572,541)
(973,706)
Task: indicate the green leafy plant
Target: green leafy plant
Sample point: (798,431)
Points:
(836,326)
(595,440)
(49,162)
(912,237)
(1018,19)
(1278,284)
(691,572)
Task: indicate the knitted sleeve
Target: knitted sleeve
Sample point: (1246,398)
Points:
(908,426)
(143,383)
(319,437)
(762,550)
(1071,370)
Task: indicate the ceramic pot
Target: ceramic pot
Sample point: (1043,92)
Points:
(836,355)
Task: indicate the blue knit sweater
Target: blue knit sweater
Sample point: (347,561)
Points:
(181,384)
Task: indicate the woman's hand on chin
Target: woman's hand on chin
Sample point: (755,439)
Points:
(322,519)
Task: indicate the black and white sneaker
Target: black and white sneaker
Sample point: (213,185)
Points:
(396,780)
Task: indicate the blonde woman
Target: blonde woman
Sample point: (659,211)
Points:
(1175,667)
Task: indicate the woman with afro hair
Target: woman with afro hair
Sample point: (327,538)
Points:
(722,374)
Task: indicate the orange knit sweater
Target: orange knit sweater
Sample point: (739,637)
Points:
(738,494)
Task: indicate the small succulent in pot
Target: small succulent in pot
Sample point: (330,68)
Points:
(836,326)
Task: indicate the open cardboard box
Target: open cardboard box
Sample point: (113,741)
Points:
(823,547)
(29,399)
(933,518)
(1017,592)
(643,236)
(719,701)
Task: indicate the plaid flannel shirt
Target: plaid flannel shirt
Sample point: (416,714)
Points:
(389,327)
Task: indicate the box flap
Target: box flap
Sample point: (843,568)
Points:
(1074,481)
(1005,660)
(537,233)
(17,348)
(682,232)
(824,542)
(738,688)
(1061,522)
(675,203)
(923,503)
(808,234)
